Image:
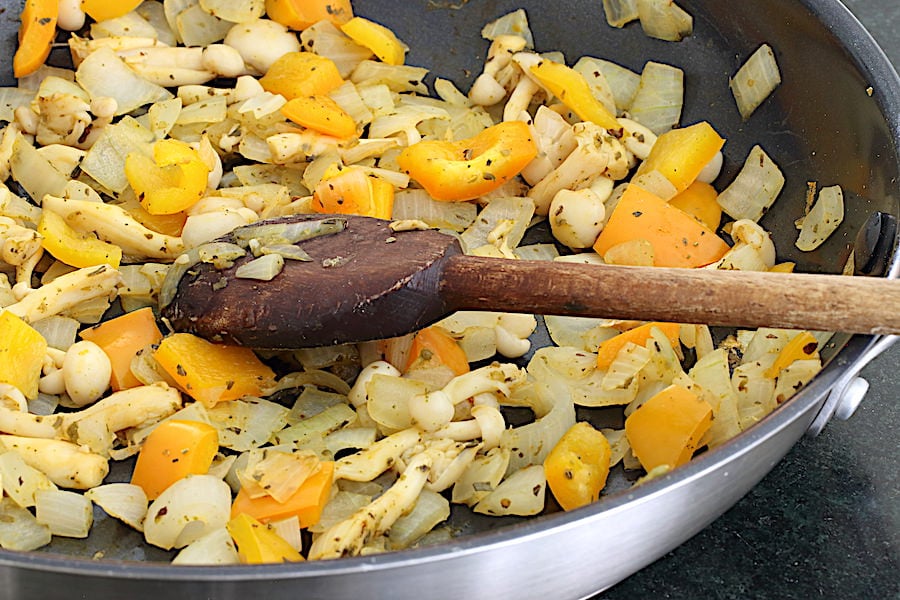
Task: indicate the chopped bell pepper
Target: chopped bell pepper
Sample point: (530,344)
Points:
(607,351)
(74,248)
(297,74)
(172,451)
(377,38)
(320,113)
(258,543)
(467,169)
(577,466)
(803,346)
(352,191)
(102,10)
(173,180)
(680,154)
(36,32)
(699,201)
(300,14)
(22,351)
(572,90)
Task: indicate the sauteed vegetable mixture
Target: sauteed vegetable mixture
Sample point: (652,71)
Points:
(184,119)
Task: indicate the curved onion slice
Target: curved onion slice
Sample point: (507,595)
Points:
(823,219)
(755,80)
(187,510)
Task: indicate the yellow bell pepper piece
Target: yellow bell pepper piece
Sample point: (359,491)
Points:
(607,351)
(306,503)
(572,90)
(680,154)
(297,74)
(467,169)
(300,14)
(258,543)
(320,113)
(74,248)
(803,346)
(577,466)
(785,267)
(101,10)
(699,201)
(377,38)
(37,29)
(22,351)
(170,182)
(352,191)
(172,451)
(667,428)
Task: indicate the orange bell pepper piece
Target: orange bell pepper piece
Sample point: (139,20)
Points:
(37,29)
(258,543)
(172,451)
(320,113)
(212,373)
(306,503)
(101,10)
(680,154)
(570,87)
(678,239)
(607,351)
(577,466)
(467,169)
(170,182)
(432,346)
(352,191)
(75,248)
(699,201)
(300,14)
(22,352)
(121,339)
(377,38)
(298,74)
(803,346)
(667,429)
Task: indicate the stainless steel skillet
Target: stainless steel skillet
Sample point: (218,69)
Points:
(823,124)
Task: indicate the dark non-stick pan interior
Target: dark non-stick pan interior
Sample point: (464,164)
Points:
(826,123)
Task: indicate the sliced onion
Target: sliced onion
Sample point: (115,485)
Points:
(713,376)
(513,23)
(620,12)
(105,161)
(289,530)
(187,510)
(754,189)
(248,423)
(430,509)
(416,204)
(625,366)
(755,80)
(288,233)
(317,427)
(755,391)
(623,83)
(123,501)
(59,332)
(20,481)
(235,11)
(595,78)
(659,99)
(664,20)
(264,268)
(399,78)
(350,438)
(19,530)
(214,548)
(618,444)
(481,477)
(326,40)
(522,493)
(823,219)
(513,213)
(103,74)
(67,514)
(340,507)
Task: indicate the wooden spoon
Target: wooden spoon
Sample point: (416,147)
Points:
(368,282)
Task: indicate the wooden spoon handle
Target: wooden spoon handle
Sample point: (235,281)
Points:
(737,298)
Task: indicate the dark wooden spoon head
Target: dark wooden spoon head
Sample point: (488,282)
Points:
(366,282)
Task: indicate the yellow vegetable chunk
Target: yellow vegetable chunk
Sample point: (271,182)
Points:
(212,373)
(377,38)
(102,10)
(258,543)
(300,14)
(803,346)
(700,201)
(172,451)
(22,351)
(297,74)
(75,248)
(607,351)
(573,90)
(320,113)
(352,191)
(170,182)
(577,466)
(680,154)
(667,428)
(37,29)
(678,239)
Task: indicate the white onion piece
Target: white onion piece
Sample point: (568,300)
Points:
(416,204)
(620,12)
(327,40)
(19,530)
(755,80)
(340,507)
(103,74)
(389,398)
(481,477)
(754,189)
(246,424)
(67,514)
(659,99)
(430,509)
(755,391)
(597,82)
(214,548)
(522,493)
(664,20)
(289,530)
(20,481)
(123,501)
(187,510)
(317,427)
(513,23)
(823,219)
(264,268)
(712,374)
(59,331)
(623,82)
(517,211)
(235,11)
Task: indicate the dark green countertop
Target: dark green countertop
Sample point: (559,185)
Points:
(825,523)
